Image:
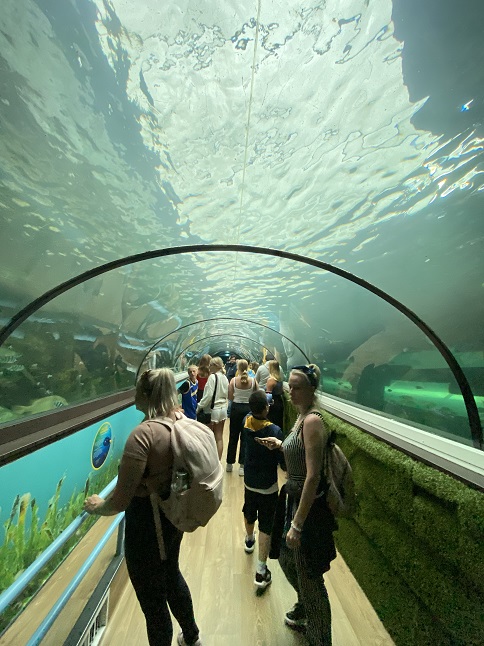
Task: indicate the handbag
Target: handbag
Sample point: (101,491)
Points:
(202,416)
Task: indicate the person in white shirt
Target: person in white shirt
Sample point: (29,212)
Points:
(240,389)
(217,383)
(262,375)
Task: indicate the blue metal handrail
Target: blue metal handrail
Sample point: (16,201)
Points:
(56,609)
(11,593)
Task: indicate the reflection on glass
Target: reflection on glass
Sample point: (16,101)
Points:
(416,387)
(317,132)
(91,342)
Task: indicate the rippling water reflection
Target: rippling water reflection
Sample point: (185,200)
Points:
(306,127)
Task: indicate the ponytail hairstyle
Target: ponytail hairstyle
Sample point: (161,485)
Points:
(203,366)
(242,367)
(158,389)
(275,370)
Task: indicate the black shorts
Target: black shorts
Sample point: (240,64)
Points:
(261,507)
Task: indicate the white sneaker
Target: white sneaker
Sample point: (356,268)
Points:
(229,468)
(181,641)
(264,579)
(241,470)
(249,545)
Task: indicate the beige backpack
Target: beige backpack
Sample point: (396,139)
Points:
(341,496)
(195,454)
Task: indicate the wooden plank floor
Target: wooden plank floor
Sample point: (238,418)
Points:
(220,576)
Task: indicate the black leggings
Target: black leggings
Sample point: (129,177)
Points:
(158,584)
(237,415)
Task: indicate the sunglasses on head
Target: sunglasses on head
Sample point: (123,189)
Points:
(310,374)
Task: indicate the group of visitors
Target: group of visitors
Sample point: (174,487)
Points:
(295,524)
(212,393)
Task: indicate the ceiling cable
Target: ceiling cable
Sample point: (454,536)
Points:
(247,129)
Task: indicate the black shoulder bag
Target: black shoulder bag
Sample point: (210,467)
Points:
(204,417)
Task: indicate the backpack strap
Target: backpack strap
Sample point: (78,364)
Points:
(300,428)
(155,498)
(214,391)
(166,422)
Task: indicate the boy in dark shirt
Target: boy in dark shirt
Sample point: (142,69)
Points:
(260,479)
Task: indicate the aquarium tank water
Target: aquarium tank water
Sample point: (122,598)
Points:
(338,147)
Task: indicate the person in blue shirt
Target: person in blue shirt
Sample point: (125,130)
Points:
(260,480)
(188,391)
(253,368)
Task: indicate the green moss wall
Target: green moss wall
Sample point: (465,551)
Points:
(415,545)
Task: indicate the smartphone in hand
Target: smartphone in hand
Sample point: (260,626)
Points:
(268,442)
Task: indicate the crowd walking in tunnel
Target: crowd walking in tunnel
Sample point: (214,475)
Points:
(295,525)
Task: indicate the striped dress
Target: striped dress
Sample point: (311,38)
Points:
(295,455)
(303,571)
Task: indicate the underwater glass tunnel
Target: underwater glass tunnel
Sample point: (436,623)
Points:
(303,179)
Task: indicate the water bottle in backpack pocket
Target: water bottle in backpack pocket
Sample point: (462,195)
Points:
(196,488)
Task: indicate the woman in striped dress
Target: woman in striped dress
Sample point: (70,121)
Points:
(304,543)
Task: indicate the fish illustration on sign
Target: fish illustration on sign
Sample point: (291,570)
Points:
(101,445)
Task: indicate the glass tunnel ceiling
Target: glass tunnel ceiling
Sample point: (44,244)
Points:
(348,134)
(93,338)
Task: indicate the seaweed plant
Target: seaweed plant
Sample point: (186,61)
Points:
(26,539)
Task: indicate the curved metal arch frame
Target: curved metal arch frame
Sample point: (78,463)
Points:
(214,336)
(225,318)
(243,354)
(470,403)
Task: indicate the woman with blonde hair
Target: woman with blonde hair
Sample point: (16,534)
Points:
(214,401)
(146,467)
(240,389)
(302,537)
(274,390)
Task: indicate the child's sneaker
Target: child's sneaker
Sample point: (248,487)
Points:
(249,545)
(229,468)
(180,640)
(296,618)
(263,580)
(241,470)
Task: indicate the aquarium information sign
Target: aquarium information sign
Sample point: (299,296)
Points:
(101,445)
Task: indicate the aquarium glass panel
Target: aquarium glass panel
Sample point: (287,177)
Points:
(90,342)
(351,133)
(42,493)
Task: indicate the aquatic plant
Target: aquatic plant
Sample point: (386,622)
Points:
(27,536)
